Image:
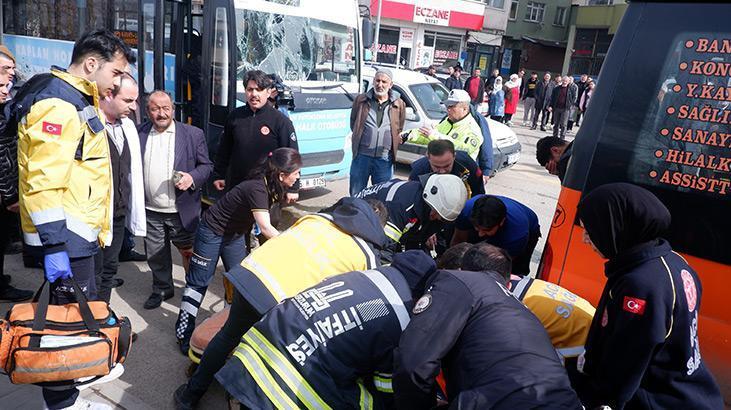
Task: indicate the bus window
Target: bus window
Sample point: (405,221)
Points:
(220,68)
(681,151)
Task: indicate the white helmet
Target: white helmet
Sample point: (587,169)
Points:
(446,194)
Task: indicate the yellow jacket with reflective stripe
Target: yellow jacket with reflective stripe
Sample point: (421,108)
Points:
(312,249)
(64,173)
(566,316)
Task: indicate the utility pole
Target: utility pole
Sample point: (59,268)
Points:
(378,30)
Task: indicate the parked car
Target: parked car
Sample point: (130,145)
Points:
(424,96)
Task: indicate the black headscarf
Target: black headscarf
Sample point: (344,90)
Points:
(620,216)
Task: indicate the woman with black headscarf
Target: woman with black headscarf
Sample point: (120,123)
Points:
(642,350)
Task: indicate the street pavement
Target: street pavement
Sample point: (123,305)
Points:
(155,367)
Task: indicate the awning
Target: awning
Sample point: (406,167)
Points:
(488,39)
(547,43)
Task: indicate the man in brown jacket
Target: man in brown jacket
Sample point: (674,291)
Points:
(376,119)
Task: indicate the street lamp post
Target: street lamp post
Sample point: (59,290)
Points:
(378,30)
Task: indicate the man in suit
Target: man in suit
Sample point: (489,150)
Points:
(176,167)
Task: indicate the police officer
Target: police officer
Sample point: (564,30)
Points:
(334,341)
(250,133)
(642,350)
(64,169)
(418,209)
(493,351)
(441,158)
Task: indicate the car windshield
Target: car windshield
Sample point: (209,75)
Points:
(430,97)
(297,48)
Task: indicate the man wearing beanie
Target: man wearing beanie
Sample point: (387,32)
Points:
(376,119)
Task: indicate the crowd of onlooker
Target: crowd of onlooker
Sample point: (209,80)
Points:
(555,103)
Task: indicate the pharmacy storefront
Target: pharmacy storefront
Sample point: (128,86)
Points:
(418,33)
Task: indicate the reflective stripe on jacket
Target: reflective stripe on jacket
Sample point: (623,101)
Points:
(328,347)
(64,168)
(465,134)
(313,249)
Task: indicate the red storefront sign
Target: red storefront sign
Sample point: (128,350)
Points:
(457,13)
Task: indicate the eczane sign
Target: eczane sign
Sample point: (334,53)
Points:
(429,15)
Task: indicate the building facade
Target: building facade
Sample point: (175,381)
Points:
(535,39)
(419,33)
(590,34)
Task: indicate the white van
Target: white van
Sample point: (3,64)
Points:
(424,96)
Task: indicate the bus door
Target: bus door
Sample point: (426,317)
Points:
(166,38)
(218,88)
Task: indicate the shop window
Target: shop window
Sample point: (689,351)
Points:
(534,12)
(513,10)
(498,4)
(560,19)
(388,45)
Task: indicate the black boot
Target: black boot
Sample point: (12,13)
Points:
(183,399)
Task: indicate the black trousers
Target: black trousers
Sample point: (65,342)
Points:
(6,229)
(521,263)
(242,317)
(84,270)
(110,257)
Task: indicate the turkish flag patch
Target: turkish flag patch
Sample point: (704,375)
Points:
(51,128)
(634,305)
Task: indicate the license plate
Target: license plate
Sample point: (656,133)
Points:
(513,158)
(310,183)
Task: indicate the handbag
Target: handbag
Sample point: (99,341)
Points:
(54,345)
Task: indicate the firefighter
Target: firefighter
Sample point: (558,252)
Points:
(331,345)
(342,238)
(492,349)
(417,209)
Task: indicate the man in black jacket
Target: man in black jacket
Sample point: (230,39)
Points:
(441,158)
(554,155)
(470,321)
(251,133)
(453,82)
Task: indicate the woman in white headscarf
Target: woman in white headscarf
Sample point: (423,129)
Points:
(512,96)
(497,100)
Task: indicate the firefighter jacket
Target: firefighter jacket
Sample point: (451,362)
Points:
(565,316)
(330,346)
(64,167)
(340,239)
(408,215)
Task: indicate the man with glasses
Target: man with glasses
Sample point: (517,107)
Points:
(459,127)
(175,168)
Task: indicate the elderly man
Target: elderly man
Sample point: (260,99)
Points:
(176,166)
(562,99)
(376,119)
(128,206)
(460,127)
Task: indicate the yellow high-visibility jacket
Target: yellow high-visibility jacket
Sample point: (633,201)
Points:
(566,316)
(314,248)
(64,168)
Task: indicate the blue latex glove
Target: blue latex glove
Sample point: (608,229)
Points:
(57,266)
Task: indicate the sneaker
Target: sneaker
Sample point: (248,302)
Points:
(114,374)
(83,404)
(156,299)
(11,294)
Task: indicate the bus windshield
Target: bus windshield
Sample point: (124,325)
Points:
(295,47)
